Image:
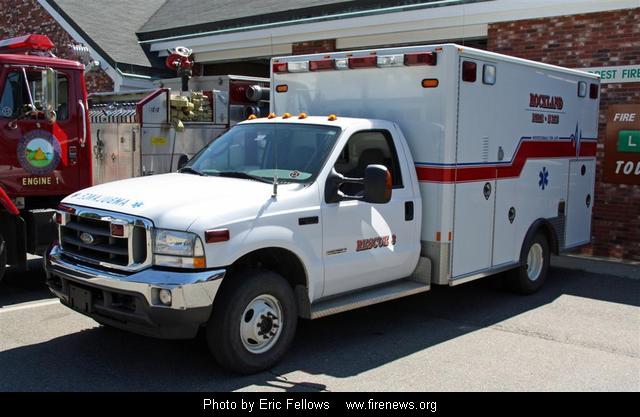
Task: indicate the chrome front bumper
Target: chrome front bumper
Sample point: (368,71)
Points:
(132,301)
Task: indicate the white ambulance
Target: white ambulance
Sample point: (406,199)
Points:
(377,174)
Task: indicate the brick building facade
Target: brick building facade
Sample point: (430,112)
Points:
(27,16)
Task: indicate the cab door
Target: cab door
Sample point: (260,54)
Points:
(367,244)
(37,157)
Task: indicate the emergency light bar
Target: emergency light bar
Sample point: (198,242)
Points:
(26,43)
(380,61)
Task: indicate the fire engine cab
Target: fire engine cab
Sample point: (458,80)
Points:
(377,174)
(44,143)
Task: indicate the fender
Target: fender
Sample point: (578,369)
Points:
(272,236)
(547,228)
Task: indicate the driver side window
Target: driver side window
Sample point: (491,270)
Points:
(367,148)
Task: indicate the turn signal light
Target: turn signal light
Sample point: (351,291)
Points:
(282,88)
(199,262)
(216,235)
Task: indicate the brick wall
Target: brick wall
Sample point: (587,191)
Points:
(22,17)
(589,40)
(313,47)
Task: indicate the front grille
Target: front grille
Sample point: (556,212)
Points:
(99,247)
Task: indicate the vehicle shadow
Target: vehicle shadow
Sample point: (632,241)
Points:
(23,286)
(339,346)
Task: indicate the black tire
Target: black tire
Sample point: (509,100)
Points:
(519,280)
(3,257)
(223,331)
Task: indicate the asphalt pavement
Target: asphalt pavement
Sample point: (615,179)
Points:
(580,332)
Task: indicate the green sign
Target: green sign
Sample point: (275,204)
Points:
(629,141)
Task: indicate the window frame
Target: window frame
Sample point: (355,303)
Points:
(395,161)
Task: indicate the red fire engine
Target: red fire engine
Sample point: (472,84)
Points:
(45,150)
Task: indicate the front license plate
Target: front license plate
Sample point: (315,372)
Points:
(80,299)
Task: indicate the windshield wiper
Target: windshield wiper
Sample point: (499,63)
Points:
(240,174)
(189,170)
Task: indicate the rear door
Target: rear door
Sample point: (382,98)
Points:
(37,157)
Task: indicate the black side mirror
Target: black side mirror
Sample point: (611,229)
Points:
(182,160)
(377,186)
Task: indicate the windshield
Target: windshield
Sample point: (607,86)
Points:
(292,152)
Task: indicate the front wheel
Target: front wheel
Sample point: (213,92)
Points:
(253,322)
(3,256)
(534,266)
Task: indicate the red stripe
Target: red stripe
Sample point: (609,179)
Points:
(527,150)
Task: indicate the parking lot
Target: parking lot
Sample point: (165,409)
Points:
(581,332)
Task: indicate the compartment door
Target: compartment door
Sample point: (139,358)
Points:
(580,202)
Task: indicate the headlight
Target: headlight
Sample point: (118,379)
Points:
(178,249)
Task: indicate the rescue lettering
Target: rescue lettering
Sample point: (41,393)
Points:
(27,181)
(375,242)
(544,101)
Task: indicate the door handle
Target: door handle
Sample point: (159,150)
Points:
(83,114)
(486,190)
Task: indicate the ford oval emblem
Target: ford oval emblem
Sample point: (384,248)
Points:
(86,238)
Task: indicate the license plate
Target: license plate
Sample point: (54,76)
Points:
(80,299)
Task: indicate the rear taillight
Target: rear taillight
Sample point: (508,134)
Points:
(420,58)
(593,90)
(58,217)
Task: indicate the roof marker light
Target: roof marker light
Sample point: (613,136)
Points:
(302,116)
(390,60)
(363,61)
(332,117)
(271,116)
(323,64)
(420,58)
(280,67)
(342,63)
(286,115)
(299,66)
(252,117)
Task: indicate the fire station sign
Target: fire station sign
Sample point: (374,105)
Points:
(619,74)
(622,145)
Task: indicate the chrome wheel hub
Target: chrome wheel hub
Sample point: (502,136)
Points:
(535,261)
(261,324)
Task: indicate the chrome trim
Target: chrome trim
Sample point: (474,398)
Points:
(188,289)
(108,216)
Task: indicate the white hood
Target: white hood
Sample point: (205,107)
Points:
(175,200)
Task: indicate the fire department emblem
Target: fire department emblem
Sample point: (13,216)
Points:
(39,152)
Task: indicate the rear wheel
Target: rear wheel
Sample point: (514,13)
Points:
(534,266)
(253,321)
(3,256)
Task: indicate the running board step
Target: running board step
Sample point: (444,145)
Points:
(375,295)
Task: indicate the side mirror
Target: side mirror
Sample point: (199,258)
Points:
(50,93)
(377,184)
(182,160)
